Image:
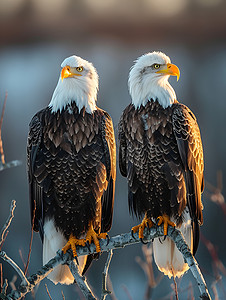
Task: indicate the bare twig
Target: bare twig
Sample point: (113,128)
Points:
(4,238)
(81,281)
(48,292)
(124,287)
(12,282)
(7,223)
(175,286)
(63,295)
(191,290)
(5,286)
(1,278)
(22,258)
(110,288)
(1,120)
(214,289)
(36,278)
(30,245)
(105,292)
(218,265)
(6,258)
(176,236)
(215,194)
(147,267)
(11,164)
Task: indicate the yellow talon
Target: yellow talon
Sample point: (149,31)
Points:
(71,244)
(166,222)
(95,237)
(145,223)
(90,236)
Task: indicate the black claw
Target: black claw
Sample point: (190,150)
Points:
(160,241)
(164,237)
(76,258)
(88,246)
(152,240)
(132,234)
(108,239)
(143,241)
(174,227)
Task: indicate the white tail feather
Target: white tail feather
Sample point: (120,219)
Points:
(167,257)
(53,241)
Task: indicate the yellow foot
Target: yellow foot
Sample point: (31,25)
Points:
(72,243)
(92,236)
(145,223)
(166,222)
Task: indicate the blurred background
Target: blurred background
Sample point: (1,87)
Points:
(36,36)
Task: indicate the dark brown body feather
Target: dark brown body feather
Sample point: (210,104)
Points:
(72,170)
(162,157)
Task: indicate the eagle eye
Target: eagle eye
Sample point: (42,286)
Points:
(79,69)
(156,66)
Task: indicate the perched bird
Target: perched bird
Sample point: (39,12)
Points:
(71,158)
(162,157)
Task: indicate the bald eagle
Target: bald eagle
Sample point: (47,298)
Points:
(71,158)
(161,155)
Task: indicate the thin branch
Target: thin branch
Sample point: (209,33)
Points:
(31,240)
(81,281)
(63,295)
(105,292)
(175,286)
(6,258)
(191,290)
(215,292)
(1,278)
(1,120)
(147,267)
(12,282)
(188,290)
(124,287)
(5,286)
(218,265)
(11,164)
(4,238)
(7,223)
(215,194)
(110,288)
(22,258)
(36,278)
(48,292)
(176,236)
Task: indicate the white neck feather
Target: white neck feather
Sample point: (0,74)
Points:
(82,91)
(156,88)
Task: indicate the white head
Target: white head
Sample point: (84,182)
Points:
(78,83)
(148,79)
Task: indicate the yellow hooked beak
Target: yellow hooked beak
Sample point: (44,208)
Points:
(170,69)
(68,72)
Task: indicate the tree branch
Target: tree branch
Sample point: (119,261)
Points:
(182,246)
(31,239)
(6,258)
(7,223)
(105,292)
(81,281)
(11,164)
(117,242)
(1,120)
